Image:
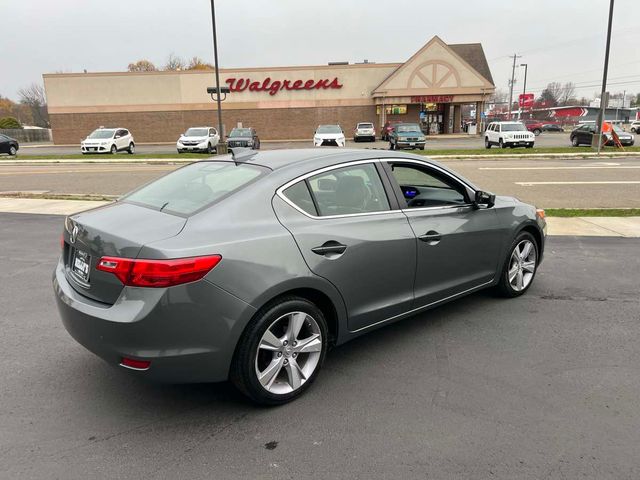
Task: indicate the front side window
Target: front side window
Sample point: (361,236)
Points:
(195,186)
(425,187)
(349,190)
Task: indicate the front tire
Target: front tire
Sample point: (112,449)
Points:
(519,267)
(391,145)
(209,149)
(487,143)
(113,150)
(575,142)
(281,351)
(502,144)
(13,151)
(537,132)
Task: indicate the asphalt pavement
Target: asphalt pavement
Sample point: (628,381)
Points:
(543,386)
(547,183)
(546,139)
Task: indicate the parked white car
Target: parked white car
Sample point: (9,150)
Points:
(108,140)
(635,126)
(198,139)
(508,134)
(329,135)
(364,131)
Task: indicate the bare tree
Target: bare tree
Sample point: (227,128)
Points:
(142,66)
(174,63)
(499,96)
(567,94)
(34,97)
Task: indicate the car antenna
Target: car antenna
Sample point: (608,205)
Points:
(242,155)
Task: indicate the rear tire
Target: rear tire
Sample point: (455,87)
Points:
(520,266)
(273,364)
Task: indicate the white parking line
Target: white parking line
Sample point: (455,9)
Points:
(590,167)
(529,184)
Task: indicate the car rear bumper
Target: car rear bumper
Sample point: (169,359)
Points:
(187,332)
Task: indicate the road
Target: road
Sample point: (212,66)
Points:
(543,386)
(546,139)
(546,183)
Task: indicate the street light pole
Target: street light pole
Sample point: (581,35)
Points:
(215,59)
(603,102)
(513,75)
(524,89)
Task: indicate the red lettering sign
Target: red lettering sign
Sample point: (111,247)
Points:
(526,100)
(432,99)
(273,87)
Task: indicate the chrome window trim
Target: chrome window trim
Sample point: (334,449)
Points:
(280,190)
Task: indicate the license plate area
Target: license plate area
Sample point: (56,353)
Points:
(81,264)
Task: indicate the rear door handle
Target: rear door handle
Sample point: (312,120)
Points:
(431,237)
(330,247)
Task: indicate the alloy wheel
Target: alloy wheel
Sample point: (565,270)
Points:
(12,150)
(288,353)
(522,265)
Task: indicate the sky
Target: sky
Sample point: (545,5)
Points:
(560,40)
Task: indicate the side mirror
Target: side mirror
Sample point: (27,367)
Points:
(484,199)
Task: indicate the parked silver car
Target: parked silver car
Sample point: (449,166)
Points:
(250,267)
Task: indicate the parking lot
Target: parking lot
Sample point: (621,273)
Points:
(543,386)
(546,139)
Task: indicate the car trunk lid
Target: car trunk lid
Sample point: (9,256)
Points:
(117,230)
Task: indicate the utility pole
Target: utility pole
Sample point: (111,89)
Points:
(513,74)
(603,95)
(221,142)
(524,89)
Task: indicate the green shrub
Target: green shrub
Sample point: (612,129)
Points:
(10,123)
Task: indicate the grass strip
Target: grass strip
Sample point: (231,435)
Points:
(592,212)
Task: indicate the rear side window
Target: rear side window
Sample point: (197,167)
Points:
(349,190)
(195,187)
(299,195)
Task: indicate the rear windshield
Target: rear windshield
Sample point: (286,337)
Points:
(195,186)
(365,125)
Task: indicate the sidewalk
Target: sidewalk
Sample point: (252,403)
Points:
(628,227)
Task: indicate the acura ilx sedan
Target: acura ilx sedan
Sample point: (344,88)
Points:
(250,267)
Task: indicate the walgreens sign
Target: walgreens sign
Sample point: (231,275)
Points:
(275,86)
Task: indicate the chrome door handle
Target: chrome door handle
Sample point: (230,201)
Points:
(329,247)
(431,237)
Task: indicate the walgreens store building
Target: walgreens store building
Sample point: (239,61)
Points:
(281,103)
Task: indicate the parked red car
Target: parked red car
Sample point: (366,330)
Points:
(534,126)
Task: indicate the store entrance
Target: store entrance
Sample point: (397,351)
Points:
(432,118)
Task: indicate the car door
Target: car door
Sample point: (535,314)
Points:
(352,234)
(4,144)
(213,134)
(457,244)
(121,140)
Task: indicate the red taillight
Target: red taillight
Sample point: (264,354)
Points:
(135,364)
(158,273)
(62,241)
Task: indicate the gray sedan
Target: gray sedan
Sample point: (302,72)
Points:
(250,267)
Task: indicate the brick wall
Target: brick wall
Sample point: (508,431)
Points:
(271,124)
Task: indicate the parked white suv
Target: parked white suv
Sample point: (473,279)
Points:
(198,139)
(108,140)
(508,134)
(635,126)
(329,135)
(364,131)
